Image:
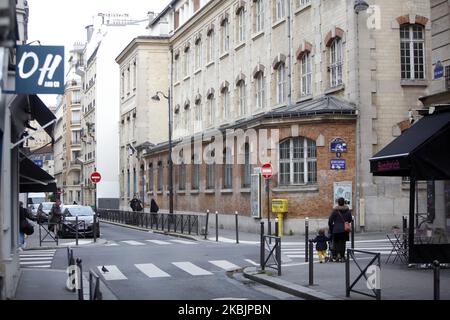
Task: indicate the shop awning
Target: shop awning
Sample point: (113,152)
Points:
(33,178)
(422,150)
(29,107)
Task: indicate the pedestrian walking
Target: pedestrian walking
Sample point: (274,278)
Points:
(339,223)
(321,245)
(55,217)
(154,206)
(25,227)
(136,204)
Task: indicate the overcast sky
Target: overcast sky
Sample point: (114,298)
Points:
(62,22)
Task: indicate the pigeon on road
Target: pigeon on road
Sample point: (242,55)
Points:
(104,269)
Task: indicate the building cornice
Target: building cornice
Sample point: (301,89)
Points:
(141,40)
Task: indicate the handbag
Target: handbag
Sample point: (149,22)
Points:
(347,225)
(27,228)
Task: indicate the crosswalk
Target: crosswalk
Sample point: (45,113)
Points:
(149,242)
(170,269)
(36,258)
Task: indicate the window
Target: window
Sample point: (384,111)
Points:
(225,30)
(226,103)
(76,137)
(242,98)
(176,19)
(76,117)
(281,83)
(301,3)
(210,176)
(182,176)
(196,173)
(198,116)
(211,46)
(122,85)
(412,51)
(298,162)
(306,74)
(227,169)
(151,177)
(176,69)
(134,75)
(259,8)
(76,97)
(280,9)
(336,62)
(128,184)
(198,55)
(260,91)
(241,25)
(187,120)
(211,110)
(134,182)
(247,170)
(160,176)
(186,64)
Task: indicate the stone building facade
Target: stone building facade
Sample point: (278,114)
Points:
(302,67)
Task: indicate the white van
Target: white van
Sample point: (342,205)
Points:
(34,200)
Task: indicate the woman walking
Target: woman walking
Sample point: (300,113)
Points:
(339,224)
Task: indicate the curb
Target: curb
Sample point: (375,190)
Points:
(173,234)
(285,286)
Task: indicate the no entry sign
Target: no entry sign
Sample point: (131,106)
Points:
(96,177)
(266,170)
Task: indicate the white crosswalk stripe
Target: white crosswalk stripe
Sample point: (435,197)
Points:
(159,242)
(224,264)
(134,243)
(36,258)
(191,268)
(152,271)
(113,273)
(184,241)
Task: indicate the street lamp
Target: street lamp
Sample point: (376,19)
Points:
(360,5)
(157,98)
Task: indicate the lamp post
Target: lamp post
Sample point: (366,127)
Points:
(168,97)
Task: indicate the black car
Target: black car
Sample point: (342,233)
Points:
(85,225)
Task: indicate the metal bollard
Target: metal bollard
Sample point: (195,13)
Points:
(436,282)
(306,238)
(405,223)
(76,230)
(353,233)
(347,274)
(237,227)
(80,289)
(206,225)
(311,263)
(276,227)
(278,253)
(269,230)
(217,226)
(261,258)
(94,228)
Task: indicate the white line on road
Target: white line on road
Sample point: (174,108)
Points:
(151,271)
(252,262)
(36,258)
(36,255)
(35,262)
(159,242)
(45,266)
(191,268)
(112,274)
(184,241)
(224,264)
(38,251)
(133,243)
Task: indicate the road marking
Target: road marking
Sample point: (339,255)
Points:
(134,243)
(191,268)
(159,242)
(38,252)
(184,241)
(35,262)
(35,258)
(252,262)
(111,244)
(112,274)
(37,255)
(151,271)
(224,264)
(44,266)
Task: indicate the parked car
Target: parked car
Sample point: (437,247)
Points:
(43,211)
(85,226)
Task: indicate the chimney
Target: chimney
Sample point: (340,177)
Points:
(89,32)
(151,16)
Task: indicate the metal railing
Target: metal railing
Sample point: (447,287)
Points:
(45,232)
(274,253)
(375,287)
(94,286)
(178,223)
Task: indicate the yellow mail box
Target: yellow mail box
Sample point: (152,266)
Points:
(279,205)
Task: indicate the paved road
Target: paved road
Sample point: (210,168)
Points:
(144,265)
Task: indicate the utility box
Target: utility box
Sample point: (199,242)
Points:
(280,206)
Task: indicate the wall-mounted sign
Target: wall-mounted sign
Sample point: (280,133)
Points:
(438,70)
(40,69)
(39,163)
(338,145)
(343,190)
(337,164)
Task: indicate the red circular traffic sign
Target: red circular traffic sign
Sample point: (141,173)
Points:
(266,170)
(96,177)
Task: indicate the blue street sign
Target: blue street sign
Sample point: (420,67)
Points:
(337,164)
(338,145)
(40,69)
(39,163)
(438,70)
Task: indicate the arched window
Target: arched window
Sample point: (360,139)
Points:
(306,74)
(227,169)
(242,98)
(281,83)
(247,169)
(211,174)
(336,62)
(260,90)
(211,105)
(298,161)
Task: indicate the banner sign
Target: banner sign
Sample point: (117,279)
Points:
(40,69)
